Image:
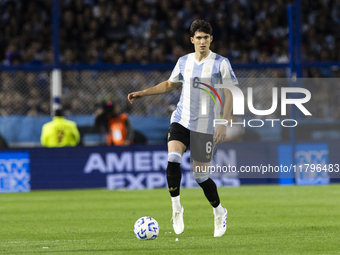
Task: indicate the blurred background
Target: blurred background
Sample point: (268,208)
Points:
(107,49)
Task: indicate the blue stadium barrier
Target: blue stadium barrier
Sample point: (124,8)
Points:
(140,166)
(11,127)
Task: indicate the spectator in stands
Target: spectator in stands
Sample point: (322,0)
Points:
(101,11)
(176,53)
(125,11)
(135,29)
(68,57)
(143,56)
(115,28)
(158,24)
(186,14)
(158,54)
(175,31)
(68,31)
(114,124)
(59,132)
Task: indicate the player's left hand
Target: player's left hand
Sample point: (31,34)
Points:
(134,96)
(220,134)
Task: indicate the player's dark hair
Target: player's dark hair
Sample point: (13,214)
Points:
(200,26)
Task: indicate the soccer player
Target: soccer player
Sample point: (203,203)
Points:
(59,132)
(196,72)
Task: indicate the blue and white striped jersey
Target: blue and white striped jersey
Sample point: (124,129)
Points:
(200,102)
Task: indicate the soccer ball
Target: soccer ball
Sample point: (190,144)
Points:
(146,228)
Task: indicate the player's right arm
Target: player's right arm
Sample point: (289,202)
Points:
(160,88)
(175,79)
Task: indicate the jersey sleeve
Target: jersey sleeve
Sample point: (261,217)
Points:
(176,75)
(227,73)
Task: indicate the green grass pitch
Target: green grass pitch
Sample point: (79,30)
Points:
(262,220)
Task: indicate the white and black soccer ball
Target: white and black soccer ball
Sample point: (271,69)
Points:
(146,228)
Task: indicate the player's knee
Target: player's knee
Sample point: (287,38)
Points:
(201,177)
(174,160)
(174,157)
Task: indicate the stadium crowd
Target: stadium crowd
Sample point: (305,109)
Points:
(150,31)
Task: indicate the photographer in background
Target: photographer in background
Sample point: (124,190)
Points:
(116,125)
(59,132)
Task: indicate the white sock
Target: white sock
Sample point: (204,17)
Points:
(218,210)
(176,204)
